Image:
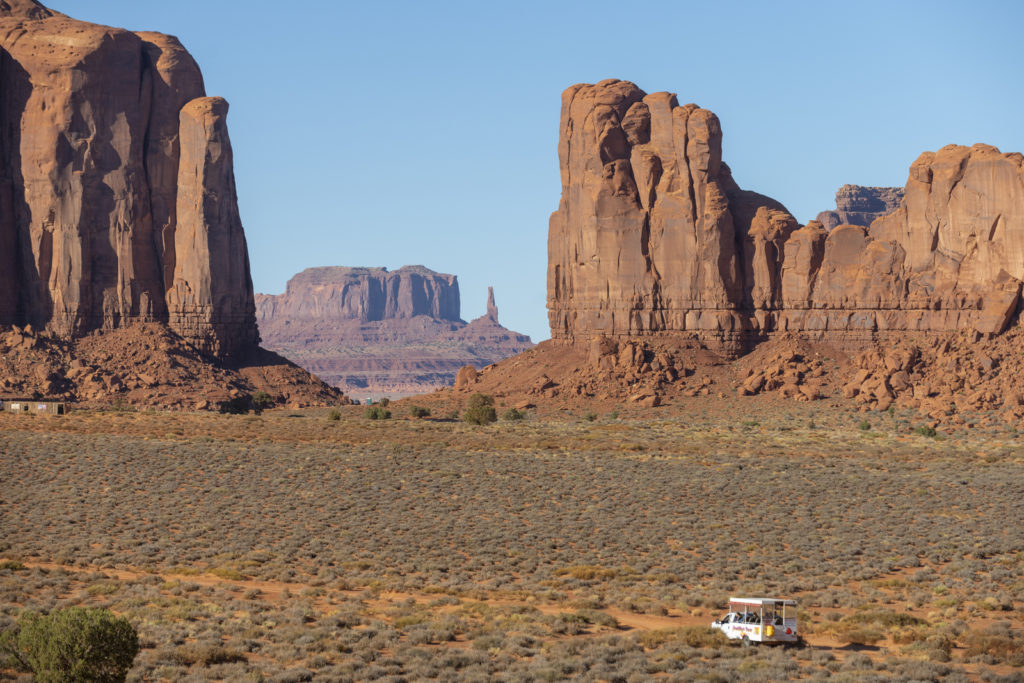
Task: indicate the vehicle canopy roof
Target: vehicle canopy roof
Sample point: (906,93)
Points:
(763,601)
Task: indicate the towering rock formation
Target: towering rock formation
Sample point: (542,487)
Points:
(492,308)
(117,197)
(648,231)
(375,332)
(652,235)
(859,205)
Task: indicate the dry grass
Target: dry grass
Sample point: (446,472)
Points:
(291,545)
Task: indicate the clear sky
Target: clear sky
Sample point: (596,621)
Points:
(384,133)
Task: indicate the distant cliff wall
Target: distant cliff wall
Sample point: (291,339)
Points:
(380,333)
(364,294)
(859,205)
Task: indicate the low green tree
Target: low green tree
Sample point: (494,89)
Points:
(512,414)
(480,410)
(261,401)
(377,413)
(419,411)
(74,644)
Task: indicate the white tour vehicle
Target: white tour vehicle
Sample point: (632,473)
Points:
(760,620)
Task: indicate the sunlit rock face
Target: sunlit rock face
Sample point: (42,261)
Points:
(652,234)
(117,195)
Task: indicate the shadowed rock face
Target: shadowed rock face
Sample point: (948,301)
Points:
(652,235)
(117,198)
(859,205)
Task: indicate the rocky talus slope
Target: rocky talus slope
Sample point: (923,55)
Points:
(117,194)
(653,235)
(375,332)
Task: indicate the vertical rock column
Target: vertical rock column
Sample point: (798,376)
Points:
(211,301)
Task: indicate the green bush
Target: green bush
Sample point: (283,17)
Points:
(926,430)
(377,412)
(261,401)
(863,425)
(419,411)
(384,402)
(334,415)
(512,414)
(590,417)
(74,644)
(480,410)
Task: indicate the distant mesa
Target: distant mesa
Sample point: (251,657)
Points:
(118,209)
(859,205)
(375,332)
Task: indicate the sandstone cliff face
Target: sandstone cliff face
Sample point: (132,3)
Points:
(859,205)
(652,235)
(375,333)
(647,231)
(117,200)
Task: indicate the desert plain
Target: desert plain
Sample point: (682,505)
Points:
(316,544)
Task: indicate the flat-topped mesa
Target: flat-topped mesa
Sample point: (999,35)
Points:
(364,294)
(117,197)
(860,205)
(652,235)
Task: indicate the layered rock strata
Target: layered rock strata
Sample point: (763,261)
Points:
(859,205)
(652,235)
(117,196)
(364,294)
(375,333)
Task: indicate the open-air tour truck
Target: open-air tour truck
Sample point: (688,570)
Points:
(760,620)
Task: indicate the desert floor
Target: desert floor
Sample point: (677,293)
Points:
(292,546)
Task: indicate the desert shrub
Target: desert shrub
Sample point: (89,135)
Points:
(419,411)
(585,572)
(870,626)
(512,415)
(13,565)
(239,405)
(590,417)
(334,415)
(74,644)
(693,636)
(926,430)
(377,412)
(997,641)
(480,410)
(384,402)
(261,401)
(206,655)
(863,425)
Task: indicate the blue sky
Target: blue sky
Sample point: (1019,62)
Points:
(389,133)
